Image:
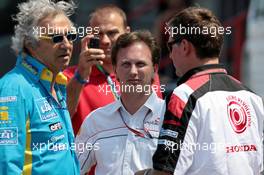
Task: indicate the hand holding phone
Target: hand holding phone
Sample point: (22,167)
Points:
(94,43)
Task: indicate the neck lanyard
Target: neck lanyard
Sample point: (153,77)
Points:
(109,81)
(136,132)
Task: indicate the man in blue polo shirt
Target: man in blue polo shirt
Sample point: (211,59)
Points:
(36,135)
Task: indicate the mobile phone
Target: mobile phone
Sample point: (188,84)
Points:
(94,43)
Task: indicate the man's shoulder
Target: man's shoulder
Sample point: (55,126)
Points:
(102,114)
(14,79)
(15,83)
(191,85)
(155,101)
(102,118)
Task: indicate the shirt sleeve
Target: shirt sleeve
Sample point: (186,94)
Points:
(13,118)
(177,136)
(86,146)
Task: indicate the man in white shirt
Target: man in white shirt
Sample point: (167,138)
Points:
(122,136)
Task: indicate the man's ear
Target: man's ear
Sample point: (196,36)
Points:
(186,47)
(29,48)
(127,30)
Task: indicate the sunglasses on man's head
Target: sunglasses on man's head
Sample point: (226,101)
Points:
(57,38)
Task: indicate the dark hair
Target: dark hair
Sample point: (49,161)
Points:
(199,19)
(106,9)
(127,39)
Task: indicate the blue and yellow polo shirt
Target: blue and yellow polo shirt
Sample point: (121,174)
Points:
(36,135)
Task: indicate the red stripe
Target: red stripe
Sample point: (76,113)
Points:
(210,71)
(197,81)
(176,106)
(234,79)
(172,122)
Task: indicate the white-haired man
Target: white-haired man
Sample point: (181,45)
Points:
(36,135)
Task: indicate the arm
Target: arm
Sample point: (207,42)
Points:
(88,58)
(175,152)
(73,93)
(13,118)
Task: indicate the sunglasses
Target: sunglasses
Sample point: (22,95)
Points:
(171,43)
(57,38)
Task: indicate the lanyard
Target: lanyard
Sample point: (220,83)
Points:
(109,81)
(136,132)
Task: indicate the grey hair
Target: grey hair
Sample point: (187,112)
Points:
(30,14)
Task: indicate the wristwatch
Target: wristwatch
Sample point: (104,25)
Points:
(78,77)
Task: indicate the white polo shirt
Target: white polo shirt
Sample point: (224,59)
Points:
(118,142)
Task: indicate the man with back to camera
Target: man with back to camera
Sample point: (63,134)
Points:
(208,108)
(84,97)
(35,127)
(124,133)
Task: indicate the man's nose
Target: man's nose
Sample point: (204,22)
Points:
(65,43)
(105,40)
(133,70)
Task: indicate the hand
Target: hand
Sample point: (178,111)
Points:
(89,57)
